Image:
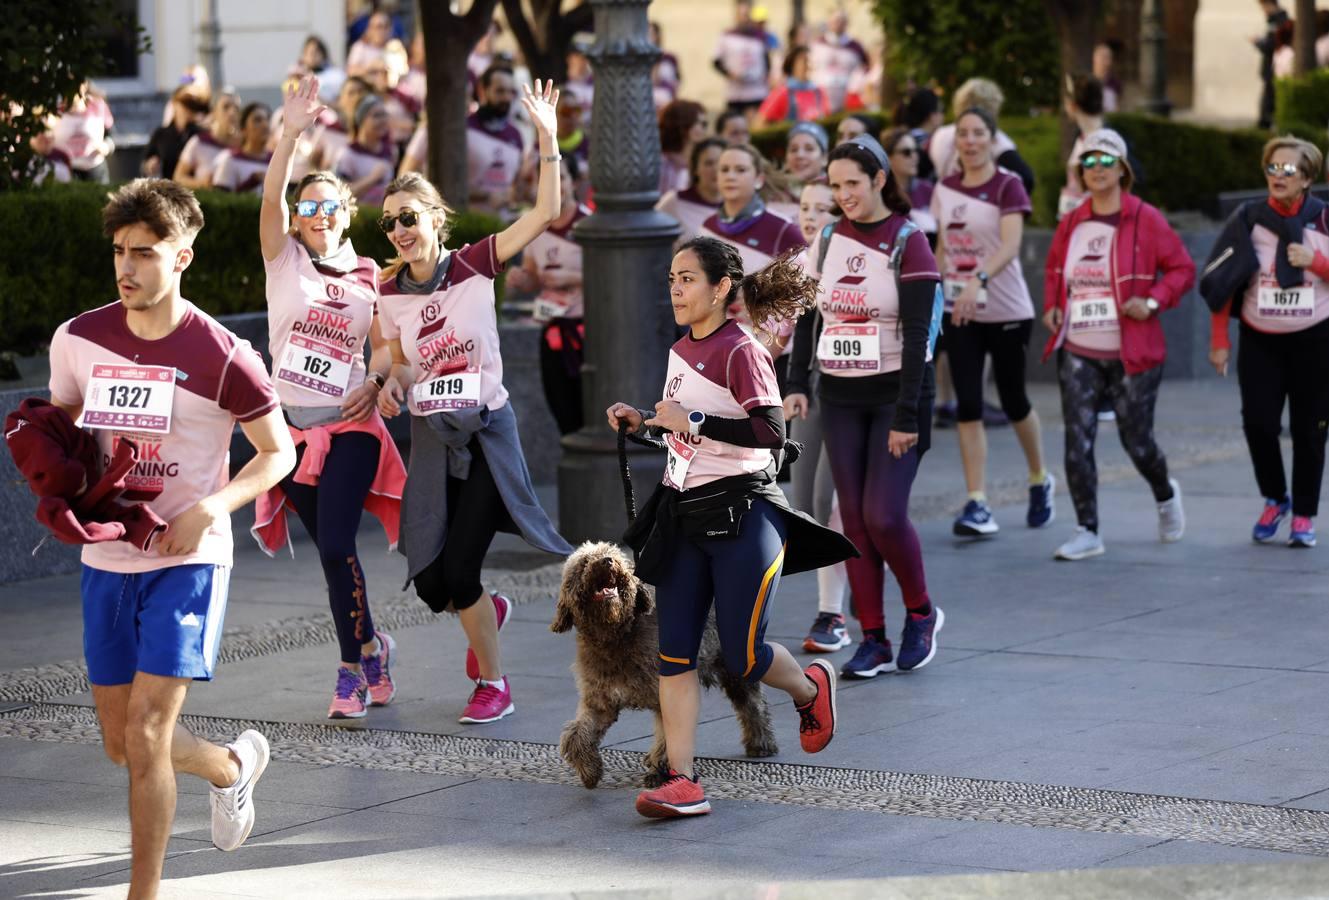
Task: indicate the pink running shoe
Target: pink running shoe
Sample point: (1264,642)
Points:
(488,704)
(348,699)
(502,608)
(378,671)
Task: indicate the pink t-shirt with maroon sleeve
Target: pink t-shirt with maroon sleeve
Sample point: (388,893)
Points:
(239,172)
(219,380)
(317,325)
(859,301)
(969,221)
(356,163)
(451,332)
(726,374)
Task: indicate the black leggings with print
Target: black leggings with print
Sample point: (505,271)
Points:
(1085,383)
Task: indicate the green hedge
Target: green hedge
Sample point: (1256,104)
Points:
(1186,166)
(57,263)
(1302,105)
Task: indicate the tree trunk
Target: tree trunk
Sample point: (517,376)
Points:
(1303,39)
(1077,33)
(544,37)
(449,40)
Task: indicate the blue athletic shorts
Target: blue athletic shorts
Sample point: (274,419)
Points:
(164,622)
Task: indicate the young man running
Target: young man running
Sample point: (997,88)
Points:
(157,370)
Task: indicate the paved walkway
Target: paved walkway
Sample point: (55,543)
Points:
(1159,706)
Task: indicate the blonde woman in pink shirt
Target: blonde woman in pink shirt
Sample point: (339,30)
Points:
(322,308)
(468,479)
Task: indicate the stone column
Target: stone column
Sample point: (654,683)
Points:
(210,46)
(629,321)
(1153,59)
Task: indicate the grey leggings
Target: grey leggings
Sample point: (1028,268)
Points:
(813,491)
(1084,383)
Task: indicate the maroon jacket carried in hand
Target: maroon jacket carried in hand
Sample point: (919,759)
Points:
(1148,260)
(78,502)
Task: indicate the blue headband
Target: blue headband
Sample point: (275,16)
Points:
(812,130)
(871,145)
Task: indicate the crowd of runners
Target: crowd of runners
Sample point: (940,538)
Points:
(815,302)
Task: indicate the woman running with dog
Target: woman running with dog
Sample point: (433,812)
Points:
(467,478)
(879,305)
(718,530)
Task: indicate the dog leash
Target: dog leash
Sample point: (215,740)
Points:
(629,500)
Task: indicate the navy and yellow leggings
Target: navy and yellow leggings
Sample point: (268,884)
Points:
(741,575)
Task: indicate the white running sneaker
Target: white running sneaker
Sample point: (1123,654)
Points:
(1171,517)
(233,807)
(1082,545)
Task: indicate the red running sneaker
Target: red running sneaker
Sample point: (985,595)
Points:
(678,796)
(502,609)
(816,724)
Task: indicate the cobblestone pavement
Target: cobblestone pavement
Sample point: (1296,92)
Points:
(1147,709)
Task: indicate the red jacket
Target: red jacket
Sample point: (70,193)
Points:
(78,502)
(1149,260)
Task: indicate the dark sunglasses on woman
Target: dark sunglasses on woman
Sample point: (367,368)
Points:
(1287,170)
(904,151)
(407,217)
(307,209)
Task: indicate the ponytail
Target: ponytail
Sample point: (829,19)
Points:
(781,290)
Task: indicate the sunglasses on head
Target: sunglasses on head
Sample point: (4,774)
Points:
(1287,170)
(307,209)
(407,217)
(1093,160)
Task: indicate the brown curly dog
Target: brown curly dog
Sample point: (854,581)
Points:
(617,660)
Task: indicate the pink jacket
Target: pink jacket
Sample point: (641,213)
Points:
(1149,260)
(383,500)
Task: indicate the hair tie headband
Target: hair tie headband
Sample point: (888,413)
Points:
(873,146)
(812,130)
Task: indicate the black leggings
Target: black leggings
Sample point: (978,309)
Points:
(1085,384)
(968,346)
(331,512)
(1291,369)
(560,372)
(475,514)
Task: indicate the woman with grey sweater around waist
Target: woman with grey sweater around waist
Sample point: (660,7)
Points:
(467,479)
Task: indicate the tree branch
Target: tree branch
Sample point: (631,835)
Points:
(521,30)
(477,18)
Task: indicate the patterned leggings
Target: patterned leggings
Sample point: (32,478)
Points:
(1084,383)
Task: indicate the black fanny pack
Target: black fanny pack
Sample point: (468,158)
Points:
(712,518)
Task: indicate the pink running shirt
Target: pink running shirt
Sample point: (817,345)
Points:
(219,380)
(453,331)
(554,250)
(1267,307)
(317,325)
(726,374)
(858,299)
(969,220)
(1094,326)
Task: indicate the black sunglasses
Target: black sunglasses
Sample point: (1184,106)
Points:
(307,209)
(904,151)
(407,217)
